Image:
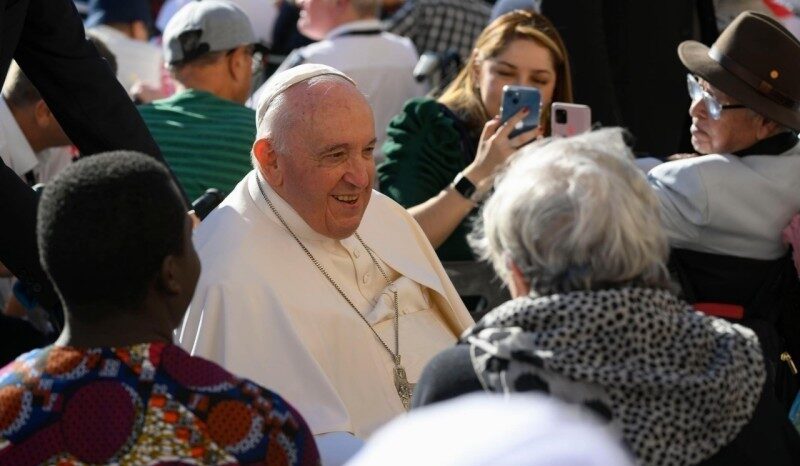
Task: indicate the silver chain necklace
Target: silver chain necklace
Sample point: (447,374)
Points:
(401,384)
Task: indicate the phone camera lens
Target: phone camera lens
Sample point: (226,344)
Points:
(515,101)
(561,116)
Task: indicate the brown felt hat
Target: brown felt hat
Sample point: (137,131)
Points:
(757,62)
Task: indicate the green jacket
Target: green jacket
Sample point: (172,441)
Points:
(425,149)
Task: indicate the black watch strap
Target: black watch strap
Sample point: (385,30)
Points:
(464,186)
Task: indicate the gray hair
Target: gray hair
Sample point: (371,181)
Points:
(282,114)
(574,214)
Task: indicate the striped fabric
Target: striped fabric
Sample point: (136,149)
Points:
(205,139)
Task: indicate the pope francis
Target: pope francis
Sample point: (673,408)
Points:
(313,284)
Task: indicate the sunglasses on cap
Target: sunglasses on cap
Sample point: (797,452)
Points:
(714,108)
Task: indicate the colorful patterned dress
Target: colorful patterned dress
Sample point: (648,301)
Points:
(147,404)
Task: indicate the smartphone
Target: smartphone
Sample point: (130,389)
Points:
(514,99)
(569,119)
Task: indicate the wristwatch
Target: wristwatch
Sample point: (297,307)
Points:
(462,185)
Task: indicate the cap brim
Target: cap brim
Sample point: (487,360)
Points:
(694,55)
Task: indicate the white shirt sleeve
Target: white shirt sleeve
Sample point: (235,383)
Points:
(682,193)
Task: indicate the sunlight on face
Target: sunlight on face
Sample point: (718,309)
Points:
(329,169)
(735,130)
(522,63)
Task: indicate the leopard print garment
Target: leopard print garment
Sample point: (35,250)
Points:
(676,384)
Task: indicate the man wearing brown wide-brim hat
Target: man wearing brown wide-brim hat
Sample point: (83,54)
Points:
(743,188)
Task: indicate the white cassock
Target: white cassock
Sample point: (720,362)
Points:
(265,312)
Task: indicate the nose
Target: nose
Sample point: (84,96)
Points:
(360,170)
(525,81)
(697,109)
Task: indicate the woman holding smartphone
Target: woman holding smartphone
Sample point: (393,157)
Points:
(441,154)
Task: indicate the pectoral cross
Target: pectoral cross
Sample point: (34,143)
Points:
(404,389)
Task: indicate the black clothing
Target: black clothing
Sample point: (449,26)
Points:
(448,375)
(773,145)
(17,337)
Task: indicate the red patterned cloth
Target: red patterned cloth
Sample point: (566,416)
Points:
(145,404)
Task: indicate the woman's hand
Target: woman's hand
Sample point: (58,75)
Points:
(495,147)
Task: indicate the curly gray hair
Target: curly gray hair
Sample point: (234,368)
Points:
(574,214)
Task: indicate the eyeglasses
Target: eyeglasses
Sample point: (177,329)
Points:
(714,108)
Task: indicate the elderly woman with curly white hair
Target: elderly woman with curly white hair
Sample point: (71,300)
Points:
(573,228)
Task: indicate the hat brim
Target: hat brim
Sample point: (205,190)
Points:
(694,55)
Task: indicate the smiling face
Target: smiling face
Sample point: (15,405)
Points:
(522,63)
(328,169)
(736,129)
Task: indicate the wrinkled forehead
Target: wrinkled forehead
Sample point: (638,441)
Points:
(325,92)
(320,103)
(326,111)
(303,75)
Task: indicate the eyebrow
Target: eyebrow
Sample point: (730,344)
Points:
(505,63)
(335,147)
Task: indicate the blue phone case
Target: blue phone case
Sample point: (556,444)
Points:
(514,99)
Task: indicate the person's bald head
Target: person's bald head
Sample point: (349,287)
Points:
(300,102)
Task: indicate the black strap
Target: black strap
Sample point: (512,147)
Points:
(363,32)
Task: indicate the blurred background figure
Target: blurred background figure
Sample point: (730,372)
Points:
(33,136)
(28,127)
(261,13)
(441,25)
(353,41)
(204,130)
(124,27)
(489,430)
(286,37)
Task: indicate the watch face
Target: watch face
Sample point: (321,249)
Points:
(465,187)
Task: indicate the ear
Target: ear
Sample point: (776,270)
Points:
(518,285)
(766,128)
(239,64)
(167,280)
(42,114)
(268,162)
(233,61)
